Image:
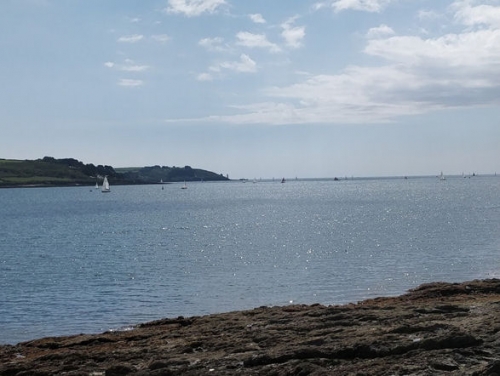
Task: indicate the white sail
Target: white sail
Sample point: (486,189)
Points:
(105,185)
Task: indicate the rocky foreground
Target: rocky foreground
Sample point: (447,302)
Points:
(435,329)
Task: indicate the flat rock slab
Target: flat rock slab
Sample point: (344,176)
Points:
(437,328)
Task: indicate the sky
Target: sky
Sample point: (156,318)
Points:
(254,88)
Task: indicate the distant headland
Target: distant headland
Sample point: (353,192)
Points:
(52,172)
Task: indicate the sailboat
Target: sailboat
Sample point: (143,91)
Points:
(105,185)
(184,186)
(442,176)
(96,185)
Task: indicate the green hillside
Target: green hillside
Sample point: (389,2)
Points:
(156,174)
(70,172)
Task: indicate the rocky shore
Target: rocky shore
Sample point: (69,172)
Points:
(435,329)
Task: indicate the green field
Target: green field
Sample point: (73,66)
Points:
(40,173)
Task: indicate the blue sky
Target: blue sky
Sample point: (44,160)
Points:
(260,88)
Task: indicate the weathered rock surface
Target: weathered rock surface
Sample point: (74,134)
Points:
(435,329)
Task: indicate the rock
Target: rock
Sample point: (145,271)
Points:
(119,370)
(158,365)
(437,328)
(445,365)
(493,369)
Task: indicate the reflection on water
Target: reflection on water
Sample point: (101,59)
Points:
(77,261)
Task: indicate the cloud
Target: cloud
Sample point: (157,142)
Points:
(161,38)
(415,75)
(250,40)
(134,68)
(127,66)
(469,51)
(293,35)
(257,18)
(213,44)
(193,8)
(476,15)
(127,82)
(379,32)
(427,15)
(244,65)
(360,5)
(204,77)
(358,95)
(259,113)
(131,38)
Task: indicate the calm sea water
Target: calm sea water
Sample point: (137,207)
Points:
(74,261)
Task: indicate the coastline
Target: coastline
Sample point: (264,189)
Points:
(436,328)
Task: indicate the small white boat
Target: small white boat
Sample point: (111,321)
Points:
(96,185)
(105,185)
(184,186)
(441,177)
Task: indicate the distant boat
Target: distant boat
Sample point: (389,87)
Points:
(105,186)
(283,180)
(96,185)
(184,186)
(442,176)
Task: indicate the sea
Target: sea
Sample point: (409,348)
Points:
(74,260)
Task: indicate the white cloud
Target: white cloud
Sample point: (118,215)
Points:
(360,5)
(420,75)
(354,96)
(134,68)
(250,40)
(193,8)
(204,77)
(244,65)
(293,35)
(476,15)
(127,66)
(131,38)
(261,113)
(257,18)
(213,44)
(428,15)
(320,5)
(127,82)
(379,31)
(469,51)
(161,38)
